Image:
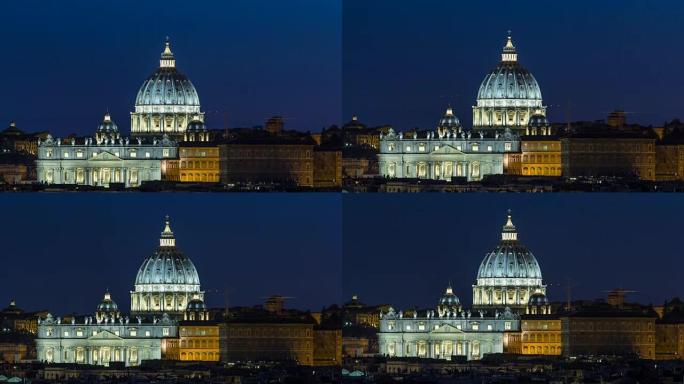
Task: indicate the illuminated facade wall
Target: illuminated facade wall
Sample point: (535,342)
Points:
(596,335)
(327,347)
(290,164)
(441,337)
(669,341)
(100,343)
(536,158)
(669,162)
(444,158)
(268,341)
(327,169)
(606,156)
(540,335)
(198,341)
(198,164)
(89,163)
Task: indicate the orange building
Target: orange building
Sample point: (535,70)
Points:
(539,156)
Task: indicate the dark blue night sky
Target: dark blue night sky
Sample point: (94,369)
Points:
(64,63)
(403,250)
(405,60)
(60,252)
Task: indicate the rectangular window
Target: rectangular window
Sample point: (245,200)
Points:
(147,333)
(476,327)
(79,333)
(147,155)
(507,325)
(165,152)
(79,154)
(165,331)
(507,146)
(134,332)
(134,154)
(66,155)
(66,333)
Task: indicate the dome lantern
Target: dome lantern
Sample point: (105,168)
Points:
(167,60)
(509,232)
(509,53)
(167,239)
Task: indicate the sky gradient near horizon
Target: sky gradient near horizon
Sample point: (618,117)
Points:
(406,60)
(415,244)
(65,63)
(61,252)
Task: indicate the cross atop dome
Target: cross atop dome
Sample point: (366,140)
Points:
(167,239)
(167,60)
(509,232)
(509,53)
(449,111)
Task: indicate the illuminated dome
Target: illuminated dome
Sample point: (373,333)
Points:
(196,125)
(107,309)
(196,305)
(448,303)
(449,298)
(509,94)
(449,123)
(166,102)
(168,265)
(108,125)
(167,85)
(107,304)
(167,280)
(509,274)
(510,259)
(538,120)
(538,298)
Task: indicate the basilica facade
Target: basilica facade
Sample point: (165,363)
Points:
(509,285)
(449,152)
(104,159)
(103,338)
(445,332)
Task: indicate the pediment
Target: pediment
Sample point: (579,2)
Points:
(447,150)
(446,328)
(105,335)
(105,156)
